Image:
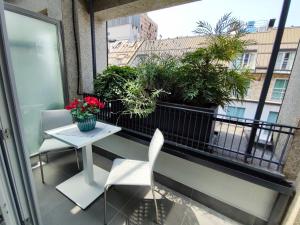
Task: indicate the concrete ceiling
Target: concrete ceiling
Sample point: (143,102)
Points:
(110,9)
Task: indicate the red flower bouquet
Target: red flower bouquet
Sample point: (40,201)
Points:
(83,111)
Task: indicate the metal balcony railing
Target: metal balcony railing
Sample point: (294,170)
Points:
(205,131)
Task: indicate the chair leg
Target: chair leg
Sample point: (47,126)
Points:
(155,203)
(41,167)
(105,209)
(77,158)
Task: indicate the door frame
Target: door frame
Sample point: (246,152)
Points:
(60,47)
(7,206)
(17,167)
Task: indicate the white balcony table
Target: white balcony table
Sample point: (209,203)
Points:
(84,187)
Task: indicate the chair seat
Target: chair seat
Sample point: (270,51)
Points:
(52,144)
(129,172)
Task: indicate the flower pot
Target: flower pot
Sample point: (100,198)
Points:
(188,125)
(87,124)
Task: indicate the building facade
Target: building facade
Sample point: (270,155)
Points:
(256,58)
(132,28)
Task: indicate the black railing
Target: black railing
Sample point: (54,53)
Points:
(204,131)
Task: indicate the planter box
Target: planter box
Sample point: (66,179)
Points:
(181,124)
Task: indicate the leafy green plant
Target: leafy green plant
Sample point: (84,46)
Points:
(110,84)
(205,81)
(205,77)
(160,72)
(200,78)
(137,101)
(123,83)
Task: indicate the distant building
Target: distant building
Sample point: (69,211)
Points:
(148,28)
(259,25)
(132,28)
(256,58)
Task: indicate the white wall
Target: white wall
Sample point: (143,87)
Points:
(251,198)
(122,32)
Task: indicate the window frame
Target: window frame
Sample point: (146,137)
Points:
(281,60)
(266,132)
(280,90)
(277,113)
(235,110)
(239,62)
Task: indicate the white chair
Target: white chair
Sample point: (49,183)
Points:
(135,172)
(51,119)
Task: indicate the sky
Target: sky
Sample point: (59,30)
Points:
(181,20)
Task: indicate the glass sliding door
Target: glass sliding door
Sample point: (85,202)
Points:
(18,200)
(37,65)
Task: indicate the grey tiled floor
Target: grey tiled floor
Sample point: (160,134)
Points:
(126,205)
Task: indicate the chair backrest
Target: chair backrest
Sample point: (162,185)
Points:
(51,119)
(155,146)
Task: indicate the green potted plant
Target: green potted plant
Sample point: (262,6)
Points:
(198,81)
(84,112)
(122,84)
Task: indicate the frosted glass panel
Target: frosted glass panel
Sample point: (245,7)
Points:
(36,64)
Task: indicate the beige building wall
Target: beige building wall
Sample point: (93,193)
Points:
(263,44)
(257,84)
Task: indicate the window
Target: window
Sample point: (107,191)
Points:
(279,89)
(235,111)
(272,117)
(285,60)
(247,60)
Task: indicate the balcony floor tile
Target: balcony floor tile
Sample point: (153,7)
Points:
(126,205)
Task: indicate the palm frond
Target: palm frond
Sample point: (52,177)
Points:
(226,25)
(223,23)
(203,28)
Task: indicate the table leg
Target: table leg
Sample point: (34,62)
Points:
(87,158)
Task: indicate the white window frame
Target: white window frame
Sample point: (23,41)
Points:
(282,92)
(283,64)
(250,63)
